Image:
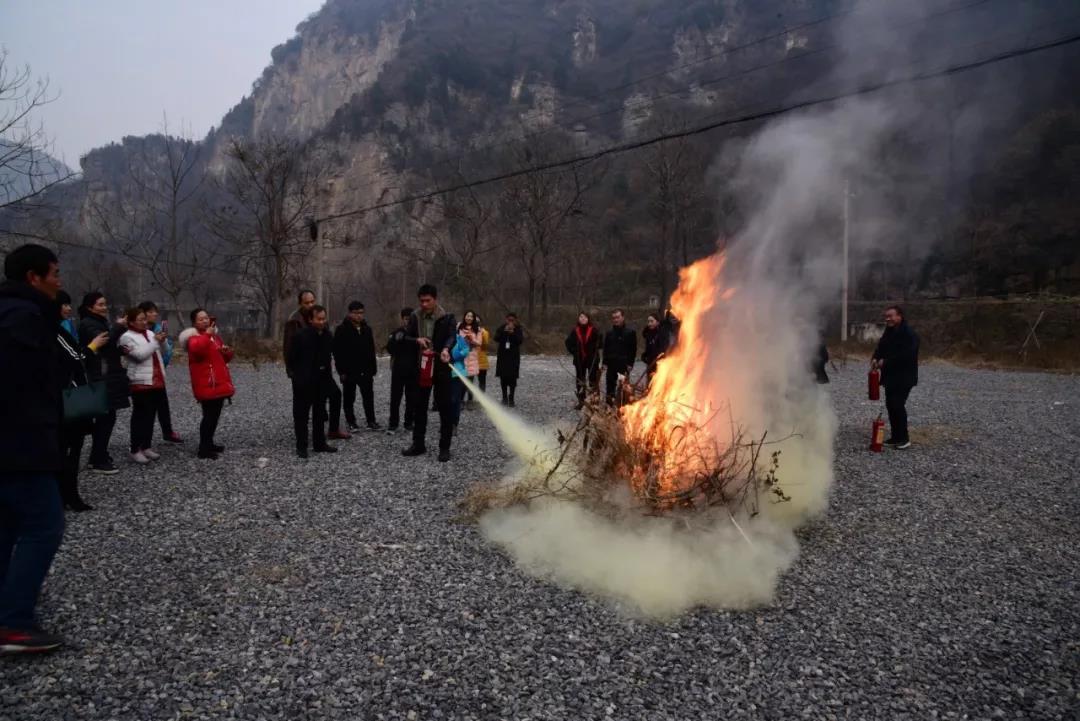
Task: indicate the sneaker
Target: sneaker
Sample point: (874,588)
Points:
(140,458)
(325,449)
(210,455)
(173,437)
(903,446)
(374,426)
(302,452)
(151,454)
(889,441)
(339,435)
(444,456)
(414,450)
(353,428)
(106,469)
(218,448)
(14,640)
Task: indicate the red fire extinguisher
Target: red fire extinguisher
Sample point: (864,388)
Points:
(877,438)
(874,380)
(427,368)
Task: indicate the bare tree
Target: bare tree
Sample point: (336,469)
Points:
(149,217)
(458,230)
(27,171)
(269,192)
(675,173)
(537,210)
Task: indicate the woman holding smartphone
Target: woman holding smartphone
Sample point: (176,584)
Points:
(208,359)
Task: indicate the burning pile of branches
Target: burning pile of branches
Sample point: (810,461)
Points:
(672,463)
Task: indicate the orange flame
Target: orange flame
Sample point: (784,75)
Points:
(685,393)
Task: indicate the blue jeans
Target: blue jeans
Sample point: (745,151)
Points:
(31,528)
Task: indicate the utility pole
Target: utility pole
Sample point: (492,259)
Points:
(844,300)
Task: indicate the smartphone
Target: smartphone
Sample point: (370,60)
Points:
(213,320)
(165,326)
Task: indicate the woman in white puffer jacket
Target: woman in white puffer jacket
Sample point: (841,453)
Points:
(146,375)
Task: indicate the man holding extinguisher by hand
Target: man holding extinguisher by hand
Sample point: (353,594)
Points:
(434,331)
(897,358)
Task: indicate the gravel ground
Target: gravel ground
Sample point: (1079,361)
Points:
(941,584)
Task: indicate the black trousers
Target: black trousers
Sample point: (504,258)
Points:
(588,379)
(144,410)
(71,445)
(611,380)
(99,445)
(508,385)
(333,394)
(211,414)
(482,379)
(366,384)
(896,404)
(309,402)
(400,383)
(442,390)
(164,416)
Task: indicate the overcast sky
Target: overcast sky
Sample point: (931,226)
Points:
(120,65)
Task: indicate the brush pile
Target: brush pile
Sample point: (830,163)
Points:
(603,462)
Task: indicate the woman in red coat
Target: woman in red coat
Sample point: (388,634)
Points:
(208,357)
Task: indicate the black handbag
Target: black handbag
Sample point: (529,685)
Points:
(84,403)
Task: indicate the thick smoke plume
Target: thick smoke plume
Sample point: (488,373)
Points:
(745,350)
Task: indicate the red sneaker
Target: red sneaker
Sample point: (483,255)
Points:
(339,435)
(174,437)
(16,640)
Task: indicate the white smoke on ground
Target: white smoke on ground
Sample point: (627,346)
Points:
(753,350)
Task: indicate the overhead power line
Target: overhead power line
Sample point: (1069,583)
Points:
(697,130)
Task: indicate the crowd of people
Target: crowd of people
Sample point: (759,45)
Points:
(64,381)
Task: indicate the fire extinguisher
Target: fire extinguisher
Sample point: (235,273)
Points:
(877,438)
(427,368)
(874,380)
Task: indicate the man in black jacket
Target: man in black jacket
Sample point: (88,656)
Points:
(619,352)
(305,301)
(897,356)
(404,364)
(354,356)
(31,409)
(432,328)
(310,358)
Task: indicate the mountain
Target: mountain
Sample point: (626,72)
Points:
(403,96)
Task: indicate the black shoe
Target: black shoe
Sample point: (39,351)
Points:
(218,448)
(302,452)
(108,468)
(353,428)
(414,450)
(505,402)
(325,449)
(208,455)
(511,402)
(391,429)
(408,426)
(374,426)
(902,445)
(889,441)
(78,505)
(14,640)
(444,456)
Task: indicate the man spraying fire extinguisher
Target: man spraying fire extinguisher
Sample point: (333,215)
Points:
(897,358)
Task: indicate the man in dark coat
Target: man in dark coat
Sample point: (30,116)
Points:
(583,343)
(897,357)
(432,328)
(306,300)
(404,365)
(508,339)
(619,352)
(31,411)
(310,358)
(354,356)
